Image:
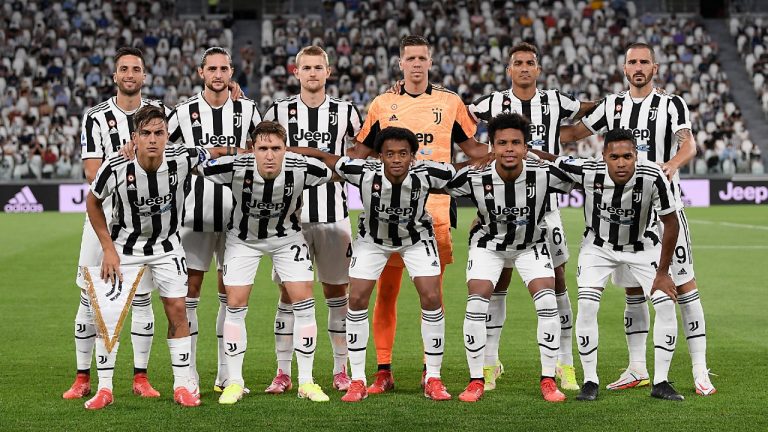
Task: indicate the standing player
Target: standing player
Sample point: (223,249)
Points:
(661,125)
(143,230)
(106,128)
(621,194)
(511,195)
(545,109)
(267,187)
(395,221)
(438,118)
(210,119)
(316,120)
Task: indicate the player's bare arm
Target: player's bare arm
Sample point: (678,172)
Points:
(686,151)
(110,265)
(663,280)
(327,158)
(575,132)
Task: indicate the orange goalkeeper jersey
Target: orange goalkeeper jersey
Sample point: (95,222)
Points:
(438,117)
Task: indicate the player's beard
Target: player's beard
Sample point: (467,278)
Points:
(647,79)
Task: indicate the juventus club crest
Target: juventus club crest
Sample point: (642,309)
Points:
(652,113)
(238,119)
(438,112)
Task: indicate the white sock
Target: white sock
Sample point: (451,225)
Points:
(664,335)
(142,329)
(337,313)
(587,332)
(564,310)
(547,330)
(637,323)
(180,357)
(357,341)
(105,363)
(475,334)
(284,322)
(235,342)
(85,334)
(192,303)
(221,372)
(433,338)
(496,315)
(695,329)
(304,338)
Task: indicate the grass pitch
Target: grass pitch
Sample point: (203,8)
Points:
(38,257)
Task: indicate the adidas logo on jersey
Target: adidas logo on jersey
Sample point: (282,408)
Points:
(682,272)
(23,202)
(393,118)
(435,264)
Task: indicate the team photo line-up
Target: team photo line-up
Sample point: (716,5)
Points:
(172,188)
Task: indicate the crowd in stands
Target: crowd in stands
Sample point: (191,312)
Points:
(56,60)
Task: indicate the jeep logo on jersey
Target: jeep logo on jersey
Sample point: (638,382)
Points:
(425,138)
(616,210)
(398,211)
(511,211)
(312,136)
(218,140)
(259,205)
(153,201)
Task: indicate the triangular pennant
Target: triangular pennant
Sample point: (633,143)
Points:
(110,303)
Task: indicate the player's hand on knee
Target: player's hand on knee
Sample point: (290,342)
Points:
(664,283)
(110,267)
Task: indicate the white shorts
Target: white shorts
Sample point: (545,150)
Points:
(330,247)
(91,255)
(555,235)
(681,268)
(201,247)
(532,263)
(168,273)
(368,259)
(597,263)
(290,259)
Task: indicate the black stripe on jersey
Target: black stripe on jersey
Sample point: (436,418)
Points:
(172,173)
(652,128)
(115,138)
(269,185)
(157,217)
(133,197)
(613,228)
(375,194)
(597,200)
(245,200)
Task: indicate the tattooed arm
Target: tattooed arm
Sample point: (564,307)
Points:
(686,150)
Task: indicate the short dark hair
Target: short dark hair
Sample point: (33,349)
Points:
(270,128)
(620,134)
(129,51)
(412,40)
(524,47)
(146,114)
(215,50)
(395,133)
(509,121)
(640,45)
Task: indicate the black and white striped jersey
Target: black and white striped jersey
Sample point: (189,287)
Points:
(545,111)
(510,214)
(194,122)
(395,214)
(147,205)
(326,128)
(653,120)
(266,208)
(620,217)
(106,128)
